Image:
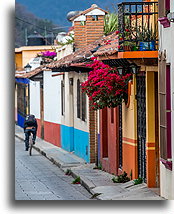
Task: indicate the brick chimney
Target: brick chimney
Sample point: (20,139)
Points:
(88,26)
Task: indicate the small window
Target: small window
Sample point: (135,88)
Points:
(94,18)
(83,23)
(78,98)
(112,115)
(62,97)
(83,109)
(81,102)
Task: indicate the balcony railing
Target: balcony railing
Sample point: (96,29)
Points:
(138,26)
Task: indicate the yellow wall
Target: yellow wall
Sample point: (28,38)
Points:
(18,60)
(24,54)
(129,118)
(129,123)
(151,162)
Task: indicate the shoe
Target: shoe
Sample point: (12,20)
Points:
(26,149)
(33,142)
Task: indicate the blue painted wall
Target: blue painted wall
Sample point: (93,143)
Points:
(67,136)
(20,121)
(81,144)
(75,140)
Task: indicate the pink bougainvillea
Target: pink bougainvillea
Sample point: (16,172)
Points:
(47,54)
(105,87)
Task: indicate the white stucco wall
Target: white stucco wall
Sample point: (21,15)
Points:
(35,98)
(64,51)
(166,42)
(70,117)
(78,123)
(52,97)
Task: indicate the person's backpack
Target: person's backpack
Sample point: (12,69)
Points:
(30,120)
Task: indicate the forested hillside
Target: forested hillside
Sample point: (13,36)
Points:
(56,11)
(27,23)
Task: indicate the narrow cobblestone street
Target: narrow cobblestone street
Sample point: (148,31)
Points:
(37,178)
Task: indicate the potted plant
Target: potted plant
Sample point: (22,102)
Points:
(126,42)
(47,56)
(147,37)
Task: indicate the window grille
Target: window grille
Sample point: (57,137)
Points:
(62,97)
(78,98)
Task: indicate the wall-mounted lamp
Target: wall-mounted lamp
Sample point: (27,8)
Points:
(120,70)
(134,68)
(71,81)
(170,16)
(28,67)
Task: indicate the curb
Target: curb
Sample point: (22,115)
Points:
(19,137)
(87,184)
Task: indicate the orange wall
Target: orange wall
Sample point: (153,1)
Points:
(24,54)
(129,123)
(18,60)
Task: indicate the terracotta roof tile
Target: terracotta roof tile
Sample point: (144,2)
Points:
(31,73)
(109,46)
(84,54)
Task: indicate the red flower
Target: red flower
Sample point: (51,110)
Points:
(104,87)
(93,58)
(127,30)
(117,32)
(121,39)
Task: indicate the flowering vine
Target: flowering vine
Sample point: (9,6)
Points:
(104,86)
(47,54)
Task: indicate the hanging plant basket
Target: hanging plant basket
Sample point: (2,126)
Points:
(105,87)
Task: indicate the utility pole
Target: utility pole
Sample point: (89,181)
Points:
(45,34)
(26,36)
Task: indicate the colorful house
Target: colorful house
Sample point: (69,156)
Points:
(78,130)
(166,97)
(62,111)
(23,56)
(129,133)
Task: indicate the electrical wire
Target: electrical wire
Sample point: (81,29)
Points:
(38,26)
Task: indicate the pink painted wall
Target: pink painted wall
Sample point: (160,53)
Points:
(52,133)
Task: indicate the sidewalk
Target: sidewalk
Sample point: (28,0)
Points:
(97,182)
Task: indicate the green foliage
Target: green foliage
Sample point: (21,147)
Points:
(99,166)
(138,181)
(110,23)
(76,180)
(121,178)
(69,41)
(26,23)
(68,172)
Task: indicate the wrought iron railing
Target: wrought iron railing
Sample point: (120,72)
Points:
(138,26)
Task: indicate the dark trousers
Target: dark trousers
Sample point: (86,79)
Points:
(27,134)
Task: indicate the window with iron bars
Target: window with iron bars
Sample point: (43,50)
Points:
(81,102)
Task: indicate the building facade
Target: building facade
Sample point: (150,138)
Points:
(166,97)
(130,139)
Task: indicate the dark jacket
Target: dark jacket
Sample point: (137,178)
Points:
(27,124)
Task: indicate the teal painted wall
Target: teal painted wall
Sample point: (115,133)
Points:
(67,138)
(75,140)
(81,144)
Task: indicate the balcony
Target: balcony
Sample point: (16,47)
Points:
(138,27)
